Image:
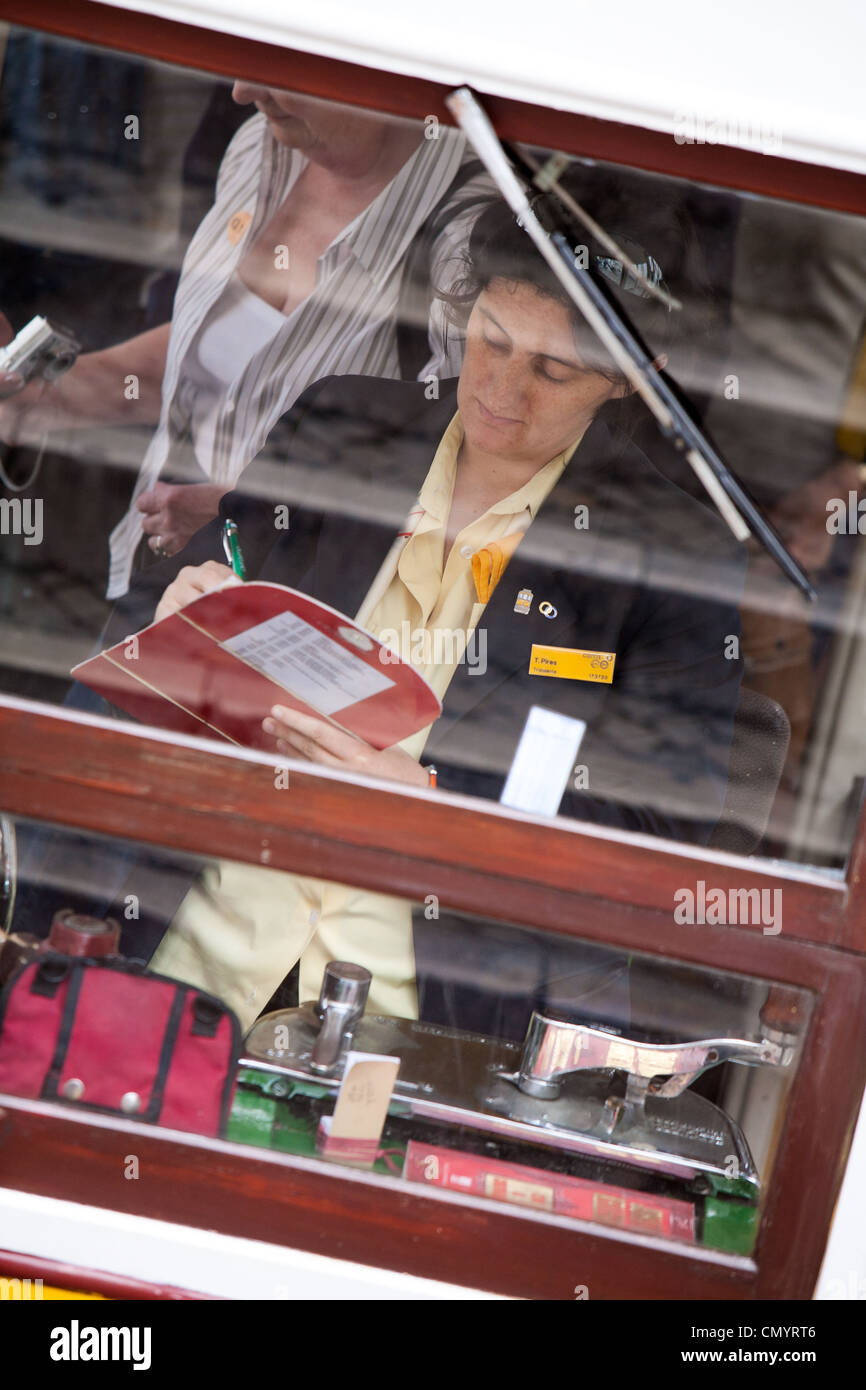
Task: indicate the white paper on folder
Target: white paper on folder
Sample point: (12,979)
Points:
(311,665)
(543,762)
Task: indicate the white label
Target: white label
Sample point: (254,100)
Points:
(311,666)
(365,1094)
(542,764)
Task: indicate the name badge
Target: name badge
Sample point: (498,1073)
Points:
(571,664)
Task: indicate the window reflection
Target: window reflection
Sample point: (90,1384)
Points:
(523,1067)
(324,310)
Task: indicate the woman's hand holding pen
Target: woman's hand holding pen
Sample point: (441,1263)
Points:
(296,734)
(305,736)
(191,583)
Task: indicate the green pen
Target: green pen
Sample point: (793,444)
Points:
(232,548)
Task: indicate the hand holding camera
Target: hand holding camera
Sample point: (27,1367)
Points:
(39,350)
(29,362)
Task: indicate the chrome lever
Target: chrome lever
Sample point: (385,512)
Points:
(342,999)
(554,1049)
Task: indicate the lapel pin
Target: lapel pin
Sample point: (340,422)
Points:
(547,609)
(523,602)
(238,223)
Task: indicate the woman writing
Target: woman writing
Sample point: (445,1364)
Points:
(495,475)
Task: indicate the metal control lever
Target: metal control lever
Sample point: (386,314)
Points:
(342,999)
(452,1078)
(553,1049)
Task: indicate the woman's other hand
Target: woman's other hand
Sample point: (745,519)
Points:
(191,583)
(16,398)
(173,512)
(305,736)
(95,391)
(10,382)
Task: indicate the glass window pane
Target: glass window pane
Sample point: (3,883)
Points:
(320,324)
(561,1075)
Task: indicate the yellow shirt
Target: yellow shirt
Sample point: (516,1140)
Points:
(241,928)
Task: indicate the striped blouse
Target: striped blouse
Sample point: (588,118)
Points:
(347,325)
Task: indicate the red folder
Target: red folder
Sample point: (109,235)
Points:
(217,666)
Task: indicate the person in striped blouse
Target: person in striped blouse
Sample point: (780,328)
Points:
(295,274)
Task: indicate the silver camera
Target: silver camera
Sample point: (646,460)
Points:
(40,349)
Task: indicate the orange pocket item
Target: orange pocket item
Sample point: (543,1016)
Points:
(489,564)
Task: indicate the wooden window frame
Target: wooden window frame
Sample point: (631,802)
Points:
(107,777)
(228,55)
(569,879)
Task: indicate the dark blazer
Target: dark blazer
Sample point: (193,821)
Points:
(655,577)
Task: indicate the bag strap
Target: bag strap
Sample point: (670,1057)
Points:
(47,979)
(49,976)
(207,1015)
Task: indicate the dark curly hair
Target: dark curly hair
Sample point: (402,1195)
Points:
(632,212)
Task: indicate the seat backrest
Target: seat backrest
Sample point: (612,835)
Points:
(762,732)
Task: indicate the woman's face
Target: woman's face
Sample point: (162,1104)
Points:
(524,393)
(342,138)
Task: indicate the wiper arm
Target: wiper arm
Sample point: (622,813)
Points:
(727,493)
(545,177)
